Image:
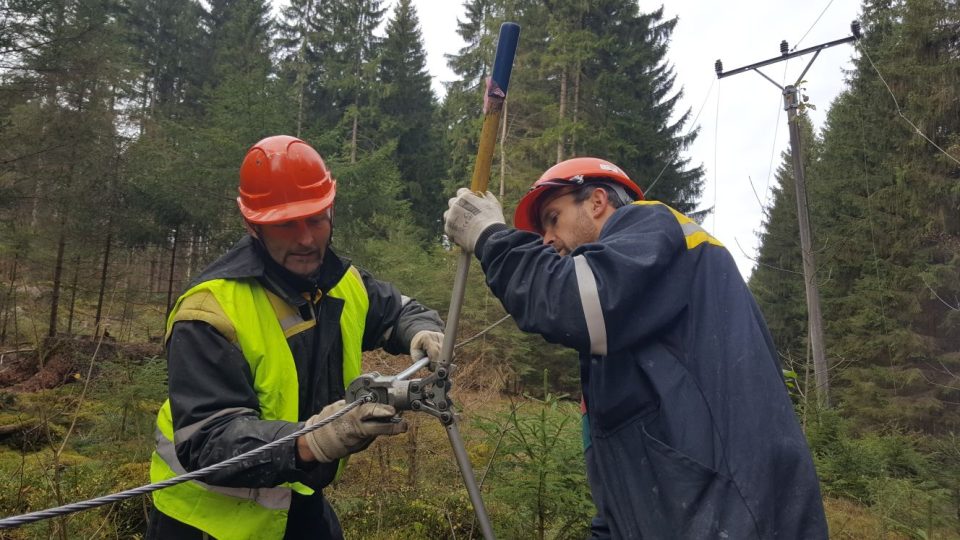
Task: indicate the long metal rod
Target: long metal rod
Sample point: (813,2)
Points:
(466,469)
(764,75)
(456,306)
(415,367)
(494,98)
(810,63)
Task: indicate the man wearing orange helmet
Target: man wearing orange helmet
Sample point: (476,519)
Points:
(688,428)
(264,342)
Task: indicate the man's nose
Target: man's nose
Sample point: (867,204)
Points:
(549,238)
(304,234)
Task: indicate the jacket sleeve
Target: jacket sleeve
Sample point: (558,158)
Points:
(216,411)
(606,295)
(393,319)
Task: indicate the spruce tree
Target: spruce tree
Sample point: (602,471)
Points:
(408,115)
(165,37)
(630,101)
(64,129)
(461,108)
(305,46)
(353,69)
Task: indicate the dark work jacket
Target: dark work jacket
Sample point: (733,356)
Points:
(211,386)
(691,431)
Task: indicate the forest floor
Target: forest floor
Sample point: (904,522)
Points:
(403,487)
(62,360)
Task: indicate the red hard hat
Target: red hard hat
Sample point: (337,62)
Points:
(282,178)
(572,172)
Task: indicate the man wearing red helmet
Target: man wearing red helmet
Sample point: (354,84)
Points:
(264,342)
(689,431)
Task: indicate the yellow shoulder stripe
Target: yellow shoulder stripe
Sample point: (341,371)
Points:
(356,274)
(694,233)
(203,306)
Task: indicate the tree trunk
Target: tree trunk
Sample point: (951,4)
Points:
(152,279)
(173,262)
(143,108)
(353,136)
(563,112)
(126,314)
(191,254)
(302,66)
(356,106)
(57,275)
(576,110)
(73,294)
(9,304)
(103,278)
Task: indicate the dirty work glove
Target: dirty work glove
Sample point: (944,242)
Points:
(469,215)
(351,432)
(427,343)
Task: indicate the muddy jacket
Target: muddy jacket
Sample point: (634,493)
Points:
(217,409)
(691,433)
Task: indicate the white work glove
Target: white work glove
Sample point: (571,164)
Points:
(469,215)
(351,432)
(427,343)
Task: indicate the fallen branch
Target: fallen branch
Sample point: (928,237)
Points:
(10,429)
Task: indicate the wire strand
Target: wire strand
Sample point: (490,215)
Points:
(716,180)
(897,105)
(692,127)
(482,332)
(17,521)
(812,25)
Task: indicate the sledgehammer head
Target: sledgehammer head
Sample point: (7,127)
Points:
(506,49)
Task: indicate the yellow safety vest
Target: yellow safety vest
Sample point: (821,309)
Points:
(245,315)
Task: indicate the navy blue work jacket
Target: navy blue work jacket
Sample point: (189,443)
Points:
(691,431)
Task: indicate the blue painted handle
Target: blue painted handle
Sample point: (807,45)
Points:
(506,49)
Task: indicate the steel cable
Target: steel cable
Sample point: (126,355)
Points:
(17,521)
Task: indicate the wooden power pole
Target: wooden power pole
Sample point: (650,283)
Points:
(791,103)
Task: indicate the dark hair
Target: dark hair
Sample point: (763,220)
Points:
(614,195)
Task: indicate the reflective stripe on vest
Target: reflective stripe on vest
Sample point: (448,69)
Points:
(692,231)
(241,513)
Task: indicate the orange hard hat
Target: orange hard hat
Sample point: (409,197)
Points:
(572,172)
(282,178)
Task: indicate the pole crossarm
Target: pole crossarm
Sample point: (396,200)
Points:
(785,55)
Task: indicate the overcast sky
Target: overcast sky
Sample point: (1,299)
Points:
(742,123)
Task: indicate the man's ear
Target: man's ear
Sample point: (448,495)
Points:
(251,229)
(599,201)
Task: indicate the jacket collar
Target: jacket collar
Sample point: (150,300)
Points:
(248,259)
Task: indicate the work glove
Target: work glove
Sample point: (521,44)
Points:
(427,343)
(469,215)
(351,432)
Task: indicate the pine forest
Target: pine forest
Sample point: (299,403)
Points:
(122,127)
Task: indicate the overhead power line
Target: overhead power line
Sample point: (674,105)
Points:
(693,126)
(825,8)
(897,105)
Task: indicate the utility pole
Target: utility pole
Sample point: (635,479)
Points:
(791,103)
